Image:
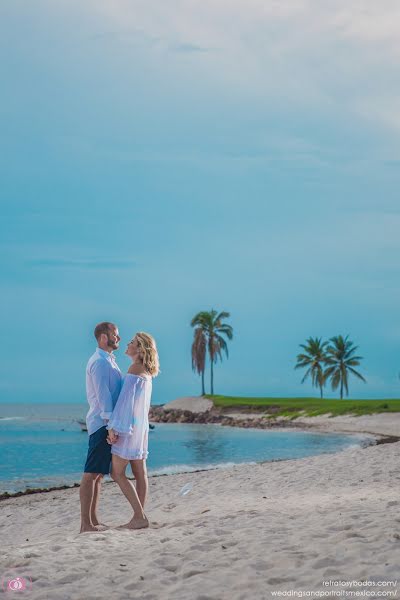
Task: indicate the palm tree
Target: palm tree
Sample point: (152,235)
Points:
(199,350)
(341,360)
(213,329)
(313,358)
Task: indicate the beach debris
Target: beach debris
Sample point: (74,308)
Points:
(186,489)
(82,424)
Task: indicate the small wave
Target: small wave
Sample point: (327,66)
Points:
(41,419)
(175,469)
(363,443)
(20,484)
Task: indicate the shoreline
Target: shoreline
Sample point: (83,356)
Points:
(376,439)
(379,427)
(383,427)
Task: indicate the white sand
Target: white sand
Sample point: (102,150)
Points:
(380,423)
(195,404)
(239,534)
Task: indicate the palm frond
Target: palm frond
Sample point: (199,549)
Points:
(312,358)
(357,374)
(199,351)
(306,375)
(226,330)
(335,379)
(223,315)
(354,361)
(223,345)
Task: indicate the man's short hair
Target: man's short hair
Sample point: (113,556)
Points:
(103,327)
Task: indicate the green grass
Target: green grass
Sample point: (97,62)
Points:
(293,407)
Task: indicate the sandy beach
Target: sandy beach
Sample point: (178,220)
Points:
(244,532)
(381,424)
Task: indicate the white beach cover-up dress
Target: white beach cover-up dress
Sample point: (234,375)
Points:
(130,417)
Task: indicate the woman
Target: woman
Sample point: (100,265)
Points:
(128,426)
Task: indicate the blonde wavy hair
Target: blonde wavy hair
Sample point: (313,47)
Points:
(148,352)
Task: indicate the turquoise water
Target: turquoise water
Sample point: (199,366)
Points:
(42,445)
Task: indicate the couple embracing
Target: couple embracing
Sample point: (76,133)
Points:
(117,423)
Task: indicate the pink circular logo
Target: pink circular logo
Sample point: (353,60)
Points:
(16,584)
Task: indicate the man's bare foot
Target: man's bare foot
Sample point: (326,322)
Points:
(100,526)
(89,529)
(136,523)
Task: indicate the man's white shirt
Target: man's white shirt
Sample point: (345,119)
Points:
(103,384)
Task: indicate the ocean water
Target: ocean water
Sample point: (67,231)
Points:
(43,446)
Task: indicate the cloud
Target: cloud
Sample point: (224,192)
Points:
(395,164)
(331,58)
(188,48)
(101,264)
(126,36)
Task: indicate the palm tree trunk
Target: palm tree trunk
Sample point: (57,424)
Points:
(202,383)
(341,389)
(212,377)
(320,388)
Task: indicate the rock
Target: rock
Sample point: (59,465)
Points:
(171,414)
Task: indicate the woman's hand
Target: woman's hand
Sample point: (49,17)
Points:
(112,436)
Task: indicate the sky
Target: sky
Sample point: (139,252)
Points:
(162,158)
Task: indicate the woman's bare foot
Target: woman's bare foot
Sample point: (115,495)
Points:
(136,523)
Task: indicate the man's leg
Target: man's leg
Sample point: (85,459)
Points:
(97,463)
(95,501)
(86,494)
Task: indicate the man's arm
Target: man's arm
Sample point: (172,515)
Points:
(101,381)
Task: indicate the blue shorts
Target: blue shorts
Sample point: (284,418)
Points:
(99,453)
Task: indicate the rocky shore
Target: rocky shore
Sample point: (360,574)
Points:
(161,414)
(384,428)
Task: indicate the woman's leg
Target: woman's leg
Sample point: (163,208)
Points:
(139,519)
(139,471)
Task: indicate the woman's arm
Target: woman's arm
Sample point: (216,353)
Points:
(121,420)
(112,436)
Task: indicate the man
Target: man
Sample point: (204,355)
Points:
(103,384)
